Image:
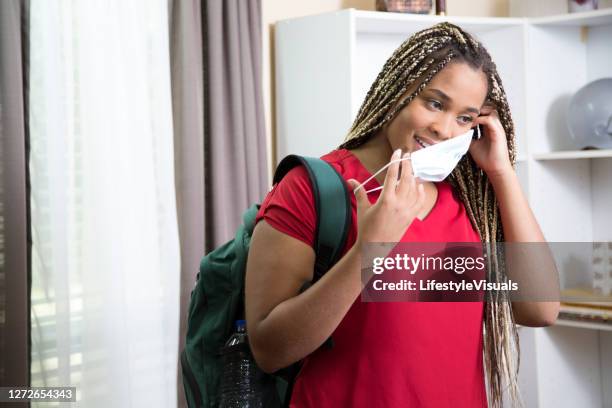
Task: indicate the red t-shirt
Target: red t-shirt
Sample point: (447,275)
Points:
(388,354)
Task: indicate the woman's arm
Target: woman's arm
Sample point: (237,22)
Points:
(491,154)
(520,225)
(284,325)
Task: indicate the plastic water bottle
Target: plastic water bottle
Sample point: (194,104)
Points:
(241,380)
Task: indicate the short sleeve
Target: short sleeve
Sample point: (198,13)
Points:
(289,206)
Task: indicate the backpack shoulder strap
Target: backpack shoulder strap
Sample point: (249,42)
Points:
(332,205)
(333,210)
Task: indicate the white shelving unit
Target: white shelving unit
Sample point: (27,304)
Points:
(324,67)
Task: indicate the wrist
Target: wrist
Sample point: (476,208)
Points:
(501,174)
(504,182)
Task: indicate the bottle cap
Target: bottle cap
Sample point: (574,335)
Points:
(240,324)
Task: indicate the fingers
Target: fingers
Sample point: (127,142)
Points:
(482,120)
(407,182)
(489,117)
(360,195)
(420,197)
(388,190)
(406,191)
(491,126)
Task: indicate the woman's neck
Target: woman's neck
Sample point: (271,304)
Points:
(374,154)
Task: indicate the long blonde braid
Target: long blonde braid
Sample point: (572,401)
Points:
(412,66)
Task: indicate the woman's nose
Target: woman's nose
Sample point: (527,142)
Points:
(442,129)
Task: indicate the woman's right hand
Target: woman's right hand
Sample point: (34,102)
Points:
(400,201)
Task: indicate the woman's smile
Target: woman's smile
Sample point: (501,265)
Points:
(423,142)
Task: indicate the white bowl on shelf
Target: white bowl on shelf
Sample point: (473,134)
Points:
(589,115)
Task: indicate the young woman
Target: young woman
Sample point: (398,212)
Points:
(438,84)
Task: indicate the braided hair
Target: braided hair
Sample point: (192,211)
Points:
(411,67)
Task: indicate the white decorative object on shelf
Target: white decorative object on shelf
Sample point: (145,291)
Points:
(589,115)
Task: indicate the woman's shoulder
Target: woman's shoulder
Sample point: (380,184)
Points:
(342,160)
(289,206)
(346,164)
(337,156)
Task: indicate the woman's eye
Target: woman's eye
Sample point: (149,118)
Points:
(466,119)
(434,104)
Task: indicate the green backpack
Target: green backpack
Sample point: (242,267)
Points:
(217,300)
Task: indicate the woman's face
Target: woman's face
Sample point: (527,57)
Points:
(444,109)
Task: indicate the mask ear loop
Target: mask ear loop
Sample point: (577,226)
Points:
(378,172)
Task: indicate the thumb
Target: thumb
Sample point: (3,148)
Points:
(360,195)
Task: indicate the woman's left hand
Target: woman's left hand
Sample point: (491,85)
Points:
(490,152)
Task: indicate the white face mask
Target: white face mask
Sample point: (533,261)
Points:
(435,162)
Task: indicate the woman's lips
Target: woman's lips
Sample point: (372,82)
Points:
(423,142)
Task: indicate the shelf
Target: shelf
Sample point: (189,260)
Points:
(595,312)
(587,18)
(576,323)
(574,154)
(401,23)
(583,325)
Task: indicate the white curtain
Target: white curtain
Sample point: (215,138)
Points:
(105,253)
